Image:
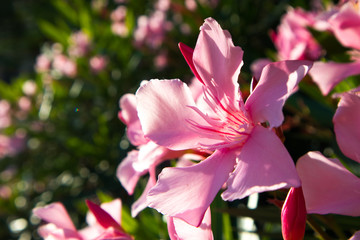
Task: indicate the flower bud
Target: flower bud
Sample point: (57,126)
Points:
(293,215)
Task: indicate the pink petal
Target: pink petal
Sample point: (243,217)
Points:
(178,229)
(277,82)
(328,187)
(188,52)
(51,231)
(346,26)
(164,109)
(356,236)
(263,165)
(127,174)
(187,192)
(102,217)
(346,125)
(55,213)
(328,75)
(257,67)
(128,115)
(218,61)
(151,154)
(141,202)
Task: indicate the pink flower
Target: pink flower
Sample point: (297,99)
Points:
(79,44)
(104,222)
(344,23)
(323,179)
(293,40)
(220,122)
(98,63)
(65,65)
(42,63)
(147,157)
(346,124)
(293,215)
(5,117)
(179,229)
(29,87)
(328,186)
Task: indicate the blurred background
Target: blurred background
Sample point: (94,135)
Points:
(64,64)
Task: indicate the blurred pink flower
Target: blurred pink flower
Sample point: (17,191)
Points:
(42,63)
(293,215)
(221,122)
(151,30)
(24,104)
(5,117)
(29,87)
(120,29)
(98,63)
(65,65)
(79,44)
(104,222)
(343,21)
(293,40)
(119,14)
(11,145)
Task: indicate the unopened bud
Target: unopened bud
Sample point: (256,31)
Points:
(293,215)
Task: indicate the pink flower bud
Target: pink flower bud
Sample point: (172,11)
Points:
(293,215)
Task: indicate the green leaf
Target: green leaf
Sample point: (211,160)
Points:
(53,32)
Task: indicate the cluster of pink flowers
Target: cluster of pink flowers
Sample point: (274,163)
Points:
(54,62)
(230,139)
(12,144)
(150,30)
(224,142)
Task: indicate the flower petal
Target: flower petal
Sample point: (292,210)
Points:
(128,115)
(188,52)
(346,125)
(141,203)
(328,187)
(263,165)
(164,109)
(346,26)
(127,174)
(328,75)
(55,213)
(178,229)
(277,82)
(218,61)
(186,192)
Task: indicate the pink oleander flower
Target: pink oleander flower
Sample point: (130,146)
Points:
(5,117)
(29,88)
(42,63)
(98,63)
(220,122)
(328,186)
(179,229)
(79,44)
(293,40)
(151,30)
(356,236)
(293,215)
(344,23)
(323,179)
(149,154)
(104,222)
(65,65)
(346,124)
